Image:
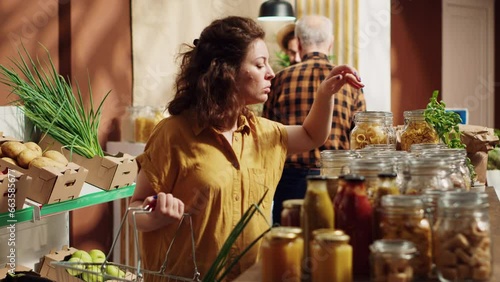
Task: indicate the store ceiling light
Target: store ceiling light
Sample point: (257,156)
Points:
(276,10)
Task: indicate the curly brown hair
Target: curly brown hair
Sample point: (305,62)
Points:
(206,82)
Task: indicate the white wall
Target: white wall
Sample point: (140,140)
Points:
(375,53)
(159,27)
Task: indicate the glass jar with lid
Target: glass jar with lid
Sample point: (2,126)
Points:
(372,127)
(282,250)
(331,256)
(290,215)
(457,159)
(334,161)
(354,215)
(403,217)
(370,168)
(462,237)
(427,174)
(416,130)
(386,186)
(127,124)
(419,148)
(317,213)
(391,260)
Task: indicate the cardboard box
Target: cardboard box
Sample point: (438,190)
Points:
(50,271)
(107,173)
(14,183)
(50,184)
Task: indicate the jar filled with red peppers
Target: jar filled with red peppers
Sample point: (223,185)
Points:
(354,215)
(462,237)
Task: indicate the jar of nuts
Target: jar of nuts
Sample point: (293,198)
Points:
(403,217)
(462,237)
(390,260)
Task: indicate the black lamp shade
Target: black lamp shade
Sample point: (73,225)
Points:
(276,10)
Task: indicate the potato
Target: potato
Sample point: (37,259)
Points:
(12,149)
(25,157)
(56,156)
(41,162)
(10,160)
(34,146)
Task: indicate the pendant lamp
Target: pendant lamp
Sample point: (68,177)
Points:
(276,10)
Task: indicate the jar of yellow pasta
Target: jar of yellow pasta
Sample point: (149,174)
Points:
(371,127)
(417,130)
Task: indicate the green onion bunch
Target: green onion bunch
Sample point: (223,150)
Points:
(223,263)
(47,99)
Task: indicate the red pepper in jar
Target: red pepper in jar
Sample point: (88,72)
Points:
(354,215)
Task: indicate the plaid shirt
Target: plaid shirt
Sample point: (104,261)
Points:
(292,94)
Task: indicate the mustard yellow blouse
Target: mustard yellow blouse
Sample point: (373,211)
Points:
(217,183)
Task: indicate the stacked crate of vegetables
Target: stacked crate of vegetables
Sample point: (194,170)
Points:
(58,110)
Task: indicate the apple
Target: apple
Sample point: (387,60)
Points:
(93,274)
(113,270)
(95,254)
(100,260)
(83,255)
(77,264)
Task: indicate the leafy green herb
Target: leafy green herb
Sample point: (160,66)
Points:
(283,59)
(446,125)
(47,99)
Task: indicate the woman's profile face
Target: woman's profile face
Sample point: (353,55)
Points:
(254,78)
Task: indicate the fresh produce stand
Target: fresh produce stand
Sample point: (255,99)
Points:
(40,229)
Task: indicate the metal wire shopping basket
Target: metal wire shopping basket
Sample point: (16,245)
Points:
(108,271)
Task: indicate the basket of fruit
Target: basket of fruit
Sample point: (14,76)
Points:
(95,266)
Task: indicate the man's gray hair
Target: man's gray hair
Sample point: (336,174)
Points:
(314,30)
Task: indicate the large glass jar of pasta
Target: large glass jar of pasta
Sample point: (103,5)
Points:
(427,174)
(403,217)
(416,130)
(371,127)
(290,215)
(317,213)
(462,237)
(391,260)
(331,257)
(282,250)
(354,215)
